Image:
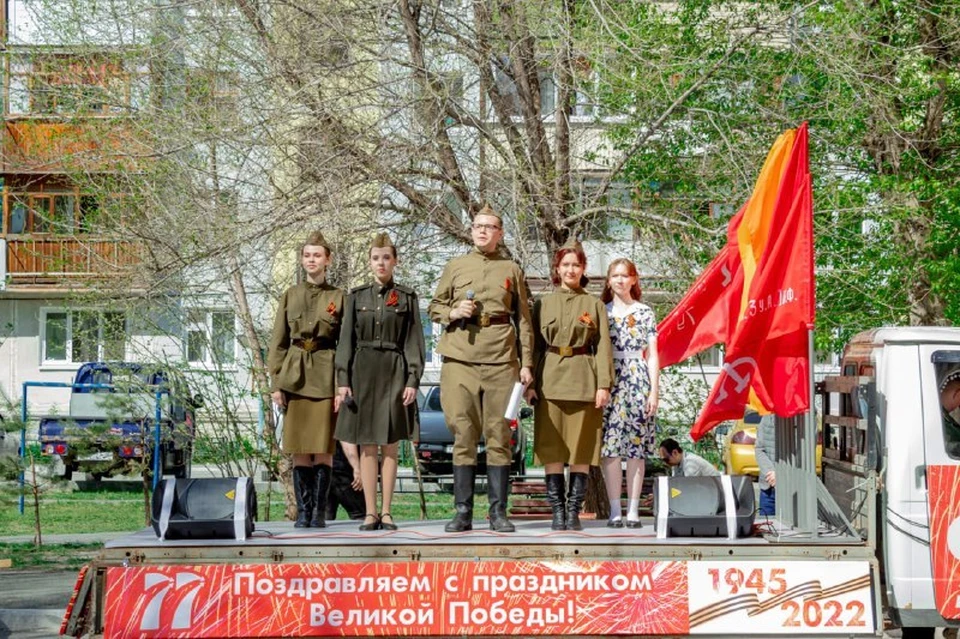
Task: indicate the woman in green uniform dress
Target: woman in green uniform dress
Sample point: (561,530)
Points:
(574,376)
(302,348)
(379,363)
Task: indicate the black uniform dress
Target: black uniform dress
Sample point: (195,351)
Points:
(380,352)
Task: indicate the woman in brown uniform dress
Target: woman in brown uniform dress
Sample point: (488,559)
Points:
(302,349)
(574,375)
(379,363)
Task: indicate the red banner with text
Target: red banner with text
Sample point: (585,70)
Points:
(520,598)
(423,598)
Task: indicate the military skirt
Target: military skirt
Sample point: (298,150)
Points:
(377,415)
(567,432)
(308,425)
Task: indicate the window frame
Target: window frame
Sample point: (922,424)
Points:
(40,86)
(209,360)
(83,220)
(70,313)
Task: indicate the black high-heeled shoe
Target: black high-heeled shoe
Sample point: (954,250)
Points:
(384,525)
(373,526)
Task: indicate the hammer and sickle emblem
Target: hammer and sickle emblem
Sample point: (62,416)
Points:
(727,276)
(682,324)
(731,371)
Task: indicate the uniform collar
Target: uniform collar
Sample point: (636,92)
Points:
(567,291)
(381,288)
(496,255)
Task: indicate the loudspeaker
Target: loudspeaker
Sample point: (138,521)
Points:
(703,506)
(215,508)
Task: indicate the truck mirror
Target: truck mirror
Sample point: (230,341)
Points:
(197,401)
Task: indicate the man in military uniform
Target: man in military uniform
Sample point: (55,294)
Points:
(482,298)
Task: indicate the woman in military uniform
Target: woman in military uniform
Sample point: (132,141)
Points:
(574,376)
(302,348)
(379,363)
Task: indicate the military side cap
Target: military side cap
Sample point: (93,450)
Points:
(572,244)
(382,240)
(316,239)
(488,210)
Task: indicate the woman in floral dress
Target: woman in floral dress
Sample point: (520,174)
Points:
(628,425)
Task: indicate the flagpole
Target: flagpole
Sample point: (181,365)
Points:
(809,465)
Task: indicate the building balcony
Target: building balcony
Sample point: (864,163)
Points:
(69,262)
(45,147)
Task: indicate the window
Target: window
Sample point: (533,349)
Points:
(508,91)
(82,335)
(68,84)
(211,337)
(604,226)
(947,368)
(51,212)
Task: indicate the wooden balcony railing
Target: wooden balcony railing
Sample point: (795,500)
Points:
(35,146)
(38,259)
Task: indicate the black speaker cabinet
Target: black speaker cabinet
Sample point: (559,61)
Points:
(215,508)
(703,506)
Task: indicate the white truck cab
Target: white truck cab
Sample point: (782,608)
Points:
(913,443)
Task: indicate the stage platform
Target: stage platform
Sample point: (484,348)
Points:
(420,580)
(280,541)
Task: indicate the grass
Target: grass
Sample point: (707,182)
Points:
(67,513)
(26,556)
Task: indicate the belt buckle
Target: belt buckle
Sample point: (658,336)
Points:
(565,351)
(309,344)
(484,320)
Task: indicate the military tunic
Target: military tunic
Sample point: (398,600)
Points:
(381,352)
(480,354)
(567,423)
(301,364)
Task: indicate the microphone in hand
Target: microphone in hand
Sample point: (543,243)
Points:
(470,296)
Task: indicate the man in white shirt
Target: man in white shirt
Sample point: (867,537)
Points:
(685,464)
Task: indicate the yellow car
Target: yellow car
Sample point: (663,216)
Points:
(740,449)
(740,452)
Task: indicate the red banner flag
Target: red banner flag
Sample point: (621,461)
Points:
(707,314)
(767,352)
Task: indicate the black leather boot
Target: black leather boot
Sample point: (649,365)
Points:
(578,491)
(556,497)
(304,489)
(324,476)
(463,480)
(498,488)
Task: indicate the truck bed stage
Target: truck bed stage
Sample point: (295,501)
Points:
(422,581)
(427,540)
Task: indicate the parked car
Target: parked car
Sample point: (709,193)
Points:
(9,440)
(435,445)
(740,447)
(740,452)
(110,430)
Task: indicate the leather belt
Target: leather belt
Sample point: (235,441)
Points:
(570,351)
(382,346)
(485,320)
(313,344)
